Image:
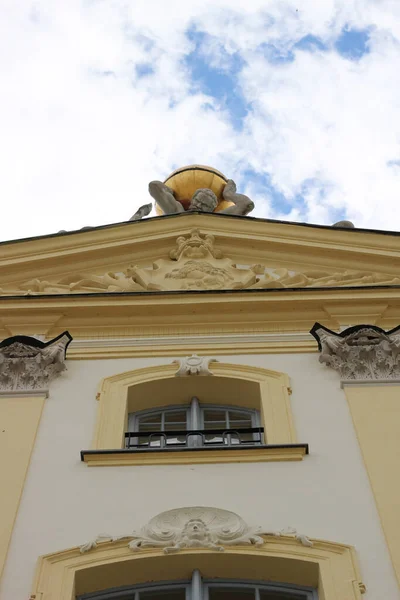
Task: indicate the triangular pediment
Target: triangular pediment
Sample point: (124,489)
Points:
(199,252)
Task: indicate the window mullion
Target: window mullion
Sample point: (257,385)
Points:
(194,440)
(196,586)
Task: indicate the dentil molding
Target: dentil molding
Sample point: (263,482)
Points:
(360,353)
(28,363)
(195,527)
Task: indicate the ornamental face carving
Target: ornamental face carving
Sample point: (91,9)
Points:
(195,263)
(194,365)
(195,527)
(27,363)
(360,352)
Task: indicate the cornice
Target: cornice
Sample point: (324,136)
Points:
(237,312)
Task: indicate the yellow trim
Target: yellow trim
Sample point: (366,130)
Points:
(266,390)
(376,416)
(19,418)
(104,350)
(196,458)
(330,567)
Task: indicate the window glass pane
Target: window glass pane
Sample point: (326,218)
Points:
(214,418)
(271,595)
(154,419)
(240,419)
(168,594)
(175,419)
(230,593)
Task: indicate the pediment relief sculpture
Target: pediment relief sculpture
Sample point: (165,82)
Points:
(362,352)
(195,263)
(195,527)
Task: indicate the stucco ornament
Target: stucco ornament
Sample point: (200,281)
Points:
(195,527)
(196,263)
(27,363)
(360,352)
(194,365)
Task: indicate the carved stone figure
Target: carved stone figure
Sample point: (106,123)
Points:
(194,365)
(242,204)
(203,200)
(141,212)
(196,527)
(164,196)
(346,224)
(360,352)
(27,363)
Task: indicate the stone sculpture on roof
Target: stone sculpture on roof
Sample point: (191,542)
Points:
(186,196)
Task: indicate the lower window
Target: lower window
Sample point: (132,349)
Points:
(206,589)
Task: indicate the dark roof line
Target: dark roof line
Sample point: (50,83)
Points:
(201,292)
(209,215)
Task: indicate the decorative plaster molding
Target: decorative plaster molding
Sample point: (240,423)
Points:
(196,264)
(27,363)
(360,353)
(196,527)
(193,365)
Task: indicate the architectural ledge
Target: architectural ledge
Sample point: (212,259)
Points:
(193,456)
(24,393)
(377,382)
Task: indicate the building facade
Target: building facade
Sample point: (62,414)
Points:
(200,405)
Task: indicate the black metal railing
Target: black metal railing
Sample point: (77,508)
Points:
(156,440)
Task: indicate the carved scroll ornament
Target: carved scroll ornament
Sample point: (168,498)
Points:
(195,527)
(27,363)
(196,264)
(360,352)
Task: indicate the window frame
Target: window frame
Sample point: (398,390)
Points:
(269,391)
(197,588)
(195,420)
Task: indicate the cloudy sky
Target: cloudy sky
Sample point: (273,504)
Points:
(298,101)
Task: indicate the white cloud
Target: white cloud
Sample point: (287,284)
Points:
(81,134)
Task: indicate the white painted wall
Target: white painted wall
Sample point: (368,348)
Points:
(327,495)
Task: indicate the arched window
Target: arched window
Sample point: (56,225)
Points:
(193,425)
(198,588)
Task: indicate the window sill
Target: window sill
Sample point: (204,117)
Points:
(193,456)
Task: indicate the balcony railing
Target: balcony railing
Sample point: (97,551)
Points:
(199,438)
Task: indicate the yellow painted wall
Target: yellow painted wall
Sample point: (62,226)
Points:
(376,415)
(19,421)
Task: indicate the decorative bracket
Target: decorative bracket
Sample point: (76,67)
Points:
(28,363)
(362,352)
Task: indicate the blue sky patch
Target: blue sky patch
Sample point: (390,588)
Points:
(261,182)
(311,42)
(144,69)
(219,82)
(353,43)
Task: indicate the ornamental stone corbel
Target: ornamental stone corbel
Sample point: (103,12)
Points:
(27,363)
(196,527)
(359,353)
(193,365)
